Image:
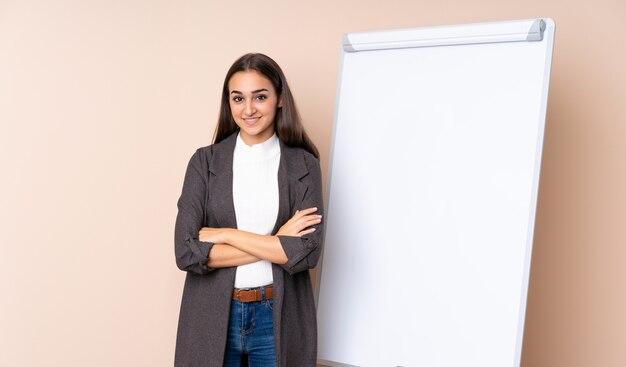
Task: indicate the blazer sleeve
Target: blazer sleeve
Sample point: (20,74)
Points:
(192,255)
(304,252)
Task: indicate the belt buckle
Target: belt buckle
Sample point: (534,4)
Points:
(239,293)
(255,290)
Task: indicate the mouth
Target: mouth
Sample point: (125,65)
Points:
(251,121)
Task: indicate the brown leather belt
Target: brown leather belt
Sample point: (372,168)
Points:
(252,294)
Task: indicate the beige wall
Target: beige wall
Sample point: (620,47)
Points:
(102,102)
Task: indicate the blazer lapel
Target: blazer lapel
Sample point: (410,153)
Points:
(291,190)
(221,183)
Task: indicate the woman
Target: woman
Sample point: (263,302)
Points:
(248,230)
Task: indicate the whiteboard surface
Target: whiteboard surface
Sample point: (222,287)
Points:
(431,204)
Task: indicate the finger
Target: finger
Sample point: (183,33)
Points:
(309,219)
(306,231)
(306,224)
(307,211)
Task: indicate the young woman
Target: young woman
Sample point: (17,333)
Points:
(248,230)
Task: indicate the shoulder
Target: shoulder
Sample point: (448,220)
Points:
(297,152)
(201,157)
(205,154)
(312,163)
(300,162)
(205,150)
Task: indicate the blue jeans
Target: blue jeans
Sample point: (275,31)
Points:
(250,335)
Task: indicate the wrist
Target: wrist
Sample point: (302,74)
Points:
(227,235)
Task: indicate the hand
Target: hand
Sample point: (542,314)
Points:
(214,235)
(299,224)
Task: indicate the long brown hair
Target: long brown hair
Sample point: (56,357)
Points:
(288,125)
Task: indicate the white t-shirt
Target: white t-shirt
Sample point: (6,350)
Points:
(255,196)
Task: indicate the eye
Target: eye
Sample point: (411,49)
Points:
(237,99)
(261,97)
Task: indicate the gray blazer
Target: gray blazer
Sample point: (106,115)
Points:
(207,201)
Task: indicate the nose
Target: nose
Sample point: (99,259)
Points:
(249,108)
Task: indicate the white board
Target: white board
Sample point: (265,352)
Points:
(432,195)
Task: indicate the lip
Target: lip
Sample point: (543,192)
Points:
(251,121)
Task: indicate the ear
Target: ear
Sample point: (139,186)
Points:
(280,101)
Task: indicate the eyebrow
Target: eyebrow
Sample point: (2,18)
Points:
(253,92)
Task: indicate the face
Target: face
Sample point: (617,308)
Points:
(253,103)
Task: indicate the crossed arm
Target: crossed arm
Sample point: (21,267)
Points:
(233,247)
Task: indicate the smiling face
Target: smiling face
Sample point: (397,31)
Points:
(253,103)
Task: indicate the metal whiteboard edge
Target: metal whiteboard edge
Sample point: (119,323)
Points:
(326,363)
(550,25)
(533,34)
